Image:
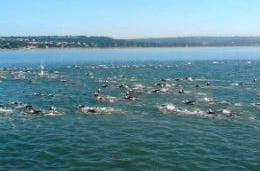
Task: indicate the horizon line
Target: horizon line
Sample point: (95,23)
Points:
(129,38)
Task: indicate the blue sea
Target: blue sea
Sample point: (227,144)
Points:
(130,109)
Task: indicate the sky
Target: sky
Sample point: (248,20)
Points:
(130,18)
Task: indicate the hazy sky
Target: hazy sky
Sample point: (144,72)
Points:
(130,18)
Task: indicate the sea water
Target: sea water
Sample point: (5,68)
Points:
(155,130)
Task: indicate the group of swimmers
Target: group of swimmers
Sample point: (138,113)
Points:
(129,94)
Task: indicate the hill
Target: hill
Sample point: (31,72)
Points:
(30,42)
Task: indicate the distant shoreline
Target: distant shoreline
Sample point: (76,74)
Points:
(91,48)
(93,42)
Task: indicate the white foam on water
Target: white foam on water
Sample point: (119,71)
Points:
(201,94)
(223,102)
(189,79)
(5,110)
(132,79)
(208,80)
(110,99)
(236,84)
(252,118)
(192,112)
(206,99)
(187,91)
(225,111)
(238,104)
(52,76)
(169,85)
(164,90)
(52,112)
(217,62)
(138,87)
(100,110)
(168,108)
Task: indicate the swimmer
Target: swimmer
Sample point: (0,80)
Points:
(163,79)
(122,86)
(210,111)
(129,97)
(84,109)
(105,98)
(89,73)
(189,102)
(81,106)
(188,78)
(37,94)
(231,115)
(105,85)
(91,110)
(4,109)
(101,98)
(97,93)
(168,107)
(156,90)
(181,91)
(161,84)
(52,109)
(30,110)
(129,92)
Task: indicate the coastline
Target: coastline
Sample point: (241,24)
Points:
(130,47)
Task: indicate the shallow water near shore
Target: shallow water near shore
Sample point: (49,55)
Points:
(156,130)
